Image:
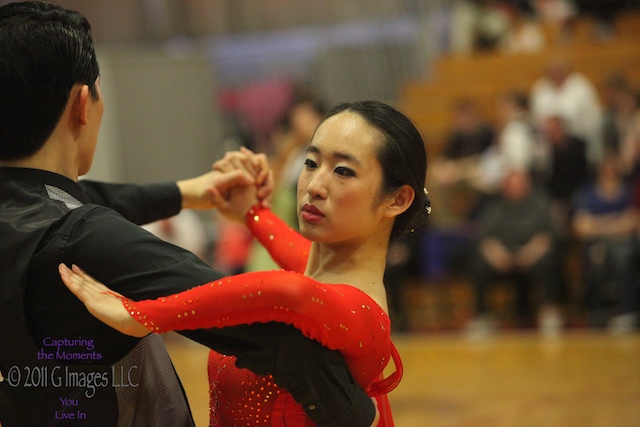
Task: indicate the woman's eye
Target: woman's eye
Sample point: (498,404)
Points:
(343,171)
(310,164)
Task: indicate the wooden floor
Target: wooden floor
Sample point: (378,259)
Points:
(513,379)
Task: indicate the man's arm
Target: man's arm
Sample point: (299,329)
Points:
(145,203)
(140,204)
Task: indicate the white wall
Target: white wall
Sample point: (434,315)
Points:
(160,121)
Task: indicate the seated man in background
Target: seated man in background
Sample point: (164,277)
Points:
(515,242)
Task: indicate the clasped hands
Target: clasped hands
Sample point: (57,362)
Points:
(237,181)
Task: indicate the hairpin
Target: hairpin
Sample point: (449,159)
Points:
(427,208)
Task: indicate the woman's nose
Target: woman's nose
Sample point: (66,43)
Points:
(317,185)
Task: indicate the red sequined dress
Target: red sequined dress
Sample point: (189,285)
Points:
(340,317)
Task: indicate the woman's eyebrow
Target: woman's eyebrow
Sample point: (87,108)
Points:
(339,155)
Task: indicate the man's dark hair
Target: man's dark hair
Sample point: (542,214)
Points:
(44,51)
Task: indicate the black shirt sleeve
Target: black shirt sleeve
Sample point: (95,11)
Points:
(140,204)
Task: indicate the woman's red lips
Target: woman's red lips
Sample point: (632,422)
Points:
(311,213)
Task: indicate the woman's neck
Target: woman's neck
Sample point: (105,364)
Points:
(360,265)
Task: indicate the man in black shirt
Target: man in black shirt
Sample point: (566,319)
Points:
(59,365)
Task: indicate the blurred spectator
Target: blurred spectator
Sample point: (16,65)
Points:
(289,143)
(514,242)
(445,240)
(569,94)
(470,135)
(564,170)
(524,35)
(515,146)
(256,108)
(604,12)
(630,139)
(478,24)
(619,104)
(524,7)
(605,224)
(556,14)
(627,316)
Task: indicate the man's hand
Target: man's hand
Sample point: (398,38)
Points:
(237,169)
(208,191)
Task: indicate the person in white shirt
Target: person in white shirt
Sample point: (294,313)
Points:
(571,95)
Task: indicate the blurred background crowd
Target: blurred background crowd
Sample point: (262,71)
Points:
(530,111)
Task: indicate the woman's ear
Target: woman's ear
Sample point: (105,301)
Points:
(400,201)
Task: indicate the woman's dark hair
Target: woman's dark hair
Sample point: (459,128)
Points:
(402,155)
(44,51)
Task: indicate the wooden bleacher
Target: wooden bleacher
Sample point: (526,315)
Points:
(484,75)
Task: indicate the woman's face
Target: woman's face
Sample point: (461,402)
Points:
(339,186)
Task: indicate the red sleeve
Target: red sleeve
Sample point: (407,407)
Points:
(287,247)
(340,317)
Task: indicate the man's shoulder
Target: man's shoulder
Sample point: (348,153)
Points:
(93,220)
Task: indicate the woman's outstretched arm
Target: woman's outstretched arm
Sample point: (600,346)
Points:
(341,317)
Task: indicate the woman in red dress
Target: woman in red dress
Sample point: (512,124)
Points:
(362,184)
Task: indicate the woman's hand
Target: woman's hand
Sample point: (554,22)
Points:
(102,302)
(237,201)
(254,164)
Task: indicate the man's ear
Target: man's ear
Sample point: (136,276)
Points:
(80,104)
(400,201)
